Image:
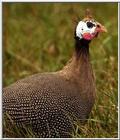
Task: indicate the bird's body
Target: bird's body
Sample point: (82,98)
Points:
(51,102)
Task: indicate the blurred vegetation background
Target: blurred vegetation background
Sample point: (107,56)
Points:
(39,37)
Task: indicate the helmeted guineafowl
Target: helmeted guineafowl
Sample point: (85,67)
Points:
(51,102)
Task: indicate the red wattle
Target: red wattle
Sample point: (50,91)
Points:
(87,36)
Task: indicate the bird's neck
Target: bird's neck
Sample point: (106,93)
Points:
(79,70)
(79,65)
(81,53)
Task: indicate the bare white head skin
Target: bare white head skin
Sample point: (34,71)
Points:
(88,28)
(85,28)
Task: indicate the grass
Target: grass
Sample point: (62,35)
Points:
(39,38)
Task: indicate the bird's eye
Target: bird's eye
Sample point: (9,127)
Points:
(98,26)
(90,24)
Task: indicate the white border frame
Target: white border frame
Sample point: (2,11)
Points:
(60,1)
(1,68)
(1,60)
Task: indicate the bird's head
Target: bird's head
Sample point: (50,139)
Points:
(88,28)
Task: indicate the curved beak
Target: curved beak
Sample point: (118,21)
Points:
(100,28)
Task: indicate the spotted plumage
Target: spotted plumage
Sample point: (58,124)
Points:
(48,102)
